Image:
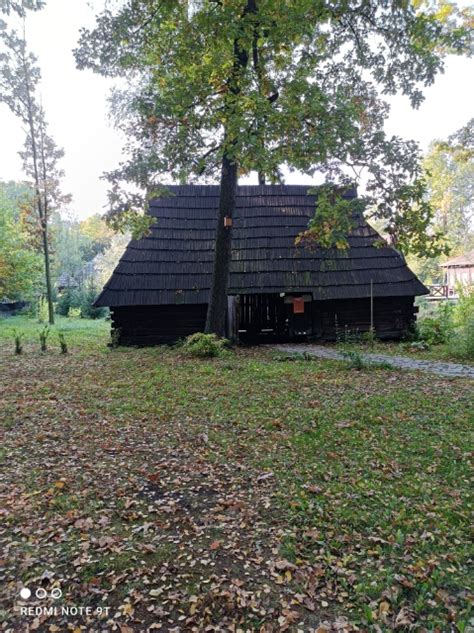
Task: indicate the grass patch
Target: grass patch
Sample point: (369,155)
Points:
(344,497)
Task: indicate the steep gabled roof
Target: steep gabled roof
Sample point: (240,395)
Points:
(174,263)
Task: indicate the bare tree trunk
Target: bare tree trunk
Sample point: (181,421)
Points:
(44,228)
(216,313)
(47,271)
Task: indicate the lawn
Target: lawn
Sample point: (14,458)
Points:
(240,493)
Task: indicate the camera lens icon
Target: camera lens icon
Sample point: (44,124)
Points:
(41,593)
(56,593)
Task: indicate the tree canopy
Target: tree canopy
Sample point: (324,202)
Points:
(449,167)
(311,81)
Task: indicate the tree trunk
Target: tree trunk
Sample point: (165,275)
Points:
(42,211)
(216,311)
(47,271)
(217,306)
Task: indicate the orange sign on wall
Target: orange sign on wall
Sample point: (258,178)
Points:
(298,305)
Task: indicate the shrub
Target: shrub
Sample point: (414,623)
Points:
(88,310)
(462,344)
(464,310)
(202,345)
(74,313)
(68,299)
(62,343)
(18,336)
(43,310)
(354,360)
(43,337)
(438,326)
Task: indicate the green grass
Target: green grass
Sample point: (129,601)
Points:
(441,352)
(78,332)
(360,479)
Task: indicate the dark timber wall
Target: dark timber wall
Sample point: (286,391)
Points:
(393,316)
(270,319)
(152,325)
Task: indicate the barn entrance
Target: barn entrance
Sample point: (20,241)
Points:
(273,317)
(261,317)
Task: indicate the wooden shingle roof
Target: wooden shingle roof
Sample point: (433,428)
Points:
(174,263)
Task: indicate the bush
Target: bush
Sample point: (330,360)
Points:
(43,337)
(43,310)
(18,336)
(88,310)
(354,360)
(74,313)
(79,303)
(62,343)
(462,343)
(202,345)
(438,326)
(68,299)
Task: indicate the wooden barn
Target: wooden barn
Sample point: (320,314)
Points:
(158,292)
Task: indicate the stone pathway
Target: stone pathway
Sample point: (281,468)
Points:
(450,370)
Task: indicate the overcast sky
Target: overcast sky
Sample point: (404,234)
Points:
(76,107)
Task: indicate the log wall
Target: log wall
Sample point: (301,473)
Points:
(392,317)
(153,325)
(324,320)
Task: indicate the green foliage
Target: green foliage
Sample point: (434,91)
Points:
(20,265)
(43,337)
(464,306)
(202,345)
(62,343)
(451,324)
(88,310)
(270,84)
(69,298)
(354,360)
(18,337)
(461,344)
(76,243)
(75,302)
(437,325)
(333,219)
(42,310)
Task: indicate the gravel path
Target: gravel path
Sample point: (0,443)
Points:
(434,367)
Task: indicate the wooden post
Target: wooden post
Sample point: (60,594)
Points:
(371,306)
(231,325)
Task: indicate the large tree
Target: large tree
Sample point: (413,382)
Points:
(19,78)
(219,88)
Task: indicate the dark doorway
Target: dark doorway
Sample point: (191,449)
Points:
(262,317)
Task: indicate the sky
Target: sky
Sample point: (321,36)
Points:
(76,107)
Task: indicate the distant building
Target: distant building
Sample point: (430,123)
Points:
(459,271)
(66,282)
